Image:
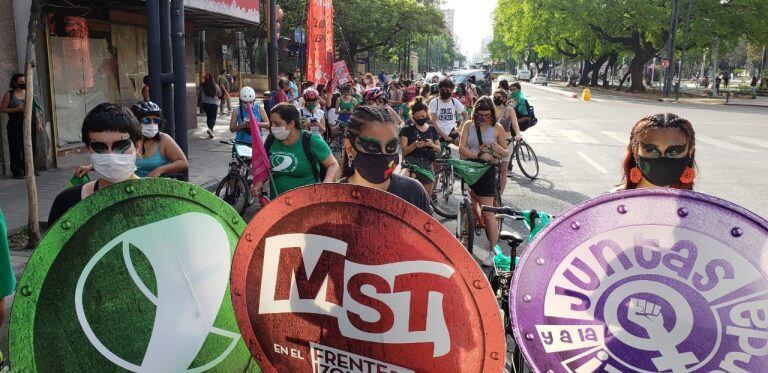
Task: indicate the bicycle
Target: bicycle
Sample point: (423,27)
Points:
(444,200)
(234,188)
(335,139)
(526,159)
(469,219)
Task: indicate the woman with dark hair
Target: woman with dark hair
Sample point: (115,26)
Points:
(211,99)
(371,156)
(145,88)
(660,154)
(13,104)
(504,84)
(483,140)
(112,136)
(508,120)
(520,104)
(296,155)
(420,144)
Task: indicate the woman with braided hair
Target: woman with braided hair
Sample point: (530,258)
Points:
(660,154)
(371,156)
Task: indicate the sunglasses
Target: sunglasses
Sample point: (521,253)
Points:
(117,147)
(153,120)
(482,117)
(372,146)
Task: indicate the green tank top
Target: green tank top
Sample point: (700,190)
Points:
(347,106)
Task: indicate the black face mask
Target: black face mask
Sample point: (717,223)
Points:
(445,95)
(498,101)
(420,122)
(21,86)
(376,168)
(663,171)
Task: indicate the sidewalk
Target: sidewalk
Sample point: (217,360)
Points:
(599,92)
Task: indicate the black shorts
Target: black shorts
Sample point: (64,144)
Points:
(485,186)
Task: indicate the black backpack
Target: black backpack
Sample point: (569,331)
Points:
(531,113)
(317,168)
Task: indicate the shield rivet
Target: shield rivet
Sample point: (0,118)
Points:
(529,336)
(736,232)
(289,201)
(575,225)
(235,219)
(25,291)
(495,355)
(66,225)
(248,237)
(477,284)
(428,227)
(130,189)
(192,192)
(527,297)
(356,194)
(540,261)
(622,209)
(682,212)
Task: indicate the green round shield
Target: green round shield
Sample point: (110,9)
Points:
(133,278)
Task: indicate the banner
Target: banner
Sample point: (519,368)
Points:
(645,281)
(343,278)
(134,277)
(320,41)
(340,75)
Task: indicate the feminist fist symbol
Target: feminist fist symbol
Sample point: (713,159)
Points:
(648,316)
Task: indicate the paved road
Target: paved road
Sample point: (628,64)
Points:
(580,146)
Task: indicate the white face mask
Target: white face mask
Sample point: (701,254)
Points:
(280,133)
(149,130)
(114,167)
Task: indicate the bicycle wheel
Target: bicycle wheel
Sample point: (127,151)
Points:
(233,190)
(465,225)
(527,160)
(446,195)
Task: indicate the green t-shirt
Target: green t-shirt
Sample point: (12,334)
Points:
(7,279)
(290,166)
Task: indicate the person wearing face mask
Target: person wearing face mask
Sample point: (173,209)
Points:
(371,156)
(13,105)
(420,144)
(483,140)
(240,123)
(445,111)
(508,120)
(159,155)
(297,157)
(112,135)
(660,154)
(312,116)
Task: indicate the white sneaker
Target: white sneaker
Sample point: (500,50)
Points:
(486,258)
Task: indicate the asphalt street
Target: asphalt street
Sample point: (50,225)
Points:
(580,146)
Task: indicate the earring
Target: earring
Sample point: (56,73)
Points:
(635,175)
(688,175)
(349,160)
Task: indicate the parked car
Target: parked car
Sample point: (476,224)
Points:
(428,77)
(482,77)
(524,74)
(539,79)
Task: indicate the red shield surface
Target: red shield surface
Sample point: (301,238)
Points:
(343,278)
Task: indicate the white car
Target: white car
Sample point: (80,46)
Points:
(523,74)
(539,79)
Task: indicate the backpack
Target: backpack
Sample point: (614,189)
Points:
(317,168)
(531,113)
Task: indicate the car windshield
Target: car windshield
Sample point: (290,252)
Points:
(459,78)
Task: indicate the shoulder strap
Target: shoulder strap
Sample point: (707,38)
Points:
(306,138)
(479,135)
(268,142)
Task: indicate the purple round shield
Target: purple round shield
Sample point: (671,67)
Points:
(646,281)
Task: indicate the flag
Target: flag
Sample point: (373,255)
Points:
(320,41)
(260,165)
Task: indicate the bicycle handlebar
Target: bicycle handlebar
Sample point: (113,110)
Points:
(500,210)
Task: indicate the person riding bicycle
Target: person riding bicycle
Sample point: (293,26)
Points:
(346,104)
(508,120)
(483,140)
(371,156)
(158,154)
(240,123)
(660,154)
(378,97)
(420,144)
(520,104)
(297,157)
(445,111)
(313,117)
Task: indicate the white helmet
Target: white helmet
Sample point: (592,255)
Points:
(247,94)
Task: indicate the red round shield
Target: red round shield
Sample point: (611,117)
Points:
(337,277)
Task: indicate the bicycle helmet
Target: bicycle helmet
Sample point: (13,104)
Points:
(142,109)
(247,94)
(374,94)
(310,94)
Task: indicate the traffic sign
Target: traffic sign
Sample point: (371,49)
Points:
(337,277)
(645,281)
(134,277)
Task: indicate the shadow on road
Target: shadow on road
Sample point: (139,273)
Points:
(545,187)
(548,161)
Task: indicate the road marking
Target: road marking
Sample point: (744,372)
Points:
(579,137)
(723,144)
(751,141)
(593,163)
(621,137)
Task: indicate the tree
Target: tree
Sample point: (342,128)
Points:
(33,226)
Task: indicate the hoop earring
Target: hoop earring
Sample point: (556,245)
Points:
(635,175)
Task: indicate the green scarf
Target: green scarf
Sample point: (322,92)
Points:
(519,97)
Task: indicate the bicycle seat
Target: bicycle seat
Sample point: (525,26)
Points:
(513,238)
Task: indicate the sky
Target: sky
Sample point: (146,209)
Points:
(472,22)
